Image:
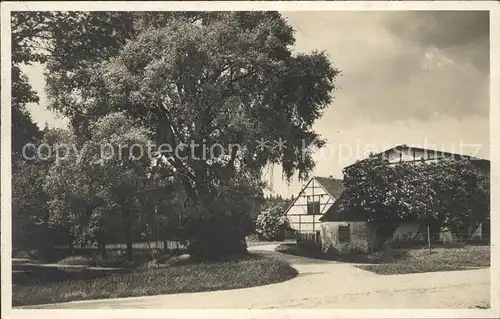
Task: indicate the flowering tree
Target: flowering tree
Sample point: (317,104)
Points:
(272,222)
(463,193)
(445,193)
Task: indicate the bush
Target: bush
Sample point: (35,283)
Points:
(216,247)
(272,223)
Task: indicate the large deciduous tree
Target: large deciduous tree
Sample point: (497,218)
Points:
(225,79)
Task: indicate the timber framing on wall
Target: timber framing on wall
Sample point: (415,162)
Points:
(313,201)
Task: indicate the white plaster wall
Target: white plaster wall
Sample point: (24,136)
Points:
(414,155)
(407,155)
(304,222)
(393,156)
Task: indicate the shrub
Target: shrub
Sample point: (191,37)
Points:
(216,247)
(272,223)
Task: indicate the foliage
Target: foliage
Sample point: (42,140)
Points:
(69,187)
(388,194)
(23,28)
(272,222)
(463,192)
(273,200)
(222,230)
(29,208)
(225,78)
(107,189)
(444,193)
(130,185)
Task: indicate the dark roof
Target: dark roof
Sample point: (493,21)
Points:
(404,146)
(340,212)
(334,186)
(456,155)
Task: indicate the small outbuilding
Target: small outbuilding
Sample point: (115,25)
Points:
(344,229)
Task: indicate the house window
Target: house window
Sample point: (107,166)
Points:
(344,234)
(313,208)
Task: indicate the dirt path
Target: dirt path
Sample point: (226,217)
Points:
(325,284)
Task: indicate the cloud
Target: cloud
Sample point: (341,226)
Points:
(463,34)
(402,65)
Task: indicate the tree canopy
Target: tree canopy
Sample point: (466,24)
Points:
(447,193)
(196,79)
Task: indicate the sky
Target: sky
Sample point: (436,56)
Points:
(417,78)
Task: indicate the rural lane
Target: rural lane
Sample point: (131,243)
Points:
(323,284)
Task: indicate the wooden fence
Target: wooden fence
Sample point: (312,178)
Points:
(171,245)
(313,238)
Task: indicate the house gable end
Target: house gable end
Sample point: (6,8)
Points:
(298,196)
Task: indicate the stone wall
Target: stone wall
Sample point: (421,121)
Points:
(359,237)
(362,236)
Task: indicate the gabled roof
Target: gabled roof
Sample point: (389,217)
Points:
(406,147)
(340,212)
(454,155)
(333,186)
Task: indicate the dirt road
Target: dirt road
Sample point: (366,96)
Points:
(324,284)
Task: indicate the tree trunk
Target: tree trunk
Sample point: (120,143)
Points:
(102,248)
(429,238)
(216,241)
(129,240)
(72,244)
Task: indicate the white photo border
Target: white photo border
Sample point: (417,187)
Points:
(6,266)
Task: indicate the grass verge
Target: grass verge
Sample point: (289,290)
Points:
(315,252)
(252,270)
(406,261)
(440,259)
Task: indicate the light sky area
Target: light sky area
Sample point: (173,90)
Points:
(416,78)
